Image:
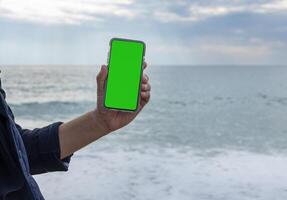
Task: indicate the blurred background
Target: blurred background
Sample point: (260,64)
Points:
(216,125)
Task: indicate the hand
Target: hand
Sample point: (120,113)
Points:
(111,120)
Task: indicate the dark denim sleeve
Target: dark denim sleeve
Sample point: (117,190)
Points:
(43,149)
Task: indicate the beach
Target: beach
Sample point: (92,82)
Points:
(208,133)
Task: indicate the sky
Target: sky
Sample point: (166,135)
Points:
(176,32)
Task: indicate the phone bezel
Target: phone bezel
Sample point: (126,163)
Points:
(108,63)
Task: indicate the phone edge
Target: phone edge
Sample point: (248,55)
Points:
(108,62)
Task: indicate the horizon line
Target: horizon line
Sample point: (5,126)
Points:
(157,65)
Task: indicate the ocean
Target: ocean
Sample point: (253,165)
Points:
(208,133)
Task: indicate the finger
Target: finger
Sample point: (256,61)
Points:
(145,78)
(145,87)
(145,95)
(101,77)
(144,65)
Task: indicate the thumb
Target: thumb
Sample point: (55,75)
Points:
(101,78)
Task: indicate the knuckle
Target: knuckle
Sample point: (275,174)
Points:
(147,77)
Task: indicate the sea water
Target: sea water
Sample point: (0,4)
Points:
(208,133)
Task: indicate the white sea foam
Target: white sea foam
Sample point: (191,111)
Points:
(169,174)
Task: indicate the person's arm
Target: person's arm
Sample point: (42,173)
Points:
(89,127)
(41,144)
(43,149)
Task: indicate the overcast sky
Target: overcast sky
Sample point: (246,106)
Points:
(175,31)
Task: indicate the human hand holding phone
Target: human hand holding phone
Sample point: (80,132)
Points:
(110,120)
(120,98)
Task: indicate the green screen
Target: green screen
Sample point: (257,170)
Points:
(124,74)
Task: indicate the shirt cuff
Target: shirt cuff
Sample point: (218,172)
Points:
(49,147)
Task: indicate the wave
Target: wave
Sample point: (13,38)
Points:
(271,100)
(51,109)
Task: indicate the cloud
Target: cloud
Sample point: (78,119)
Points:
(80,11)
(197,11)
(64,11)
(274,6)
(197,31)
(239,50)
(220,51)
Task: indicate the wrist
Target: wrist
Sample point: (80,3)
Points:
(98,124)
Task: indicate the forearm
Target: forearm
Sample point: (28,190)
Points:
(79,132)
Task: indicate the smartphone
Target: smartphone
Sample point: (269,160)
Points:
(123,82)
